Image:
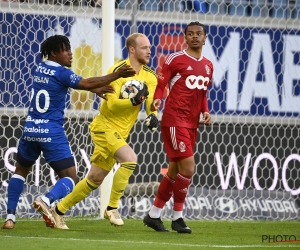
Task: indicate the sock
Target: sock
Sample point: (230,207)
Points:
(177,215)
(58,212)
(110,208)
(164,193)
(120,182)
(46,200)
(11,217)
(155,212)
(14,190)
(80,191)
(62,187)
(180,191)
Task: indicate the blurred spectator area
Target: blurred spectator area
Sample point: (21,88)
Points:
(257,8)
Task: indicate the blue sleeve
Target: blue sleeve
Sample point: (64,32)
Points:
(70,79)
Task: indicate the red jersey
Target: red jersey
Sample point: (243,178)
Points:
(188,80)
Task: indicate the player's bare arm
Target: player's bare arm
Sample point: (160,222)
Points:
(155,105)
(102,91)
(98,82)
(206,118)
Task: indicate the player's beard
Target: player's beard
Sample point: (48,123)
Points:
(143,60)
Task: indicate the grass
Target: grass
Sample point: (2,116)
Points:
(88,234)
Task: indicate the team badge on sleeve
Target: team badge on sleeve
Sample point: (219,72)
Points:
(74,78)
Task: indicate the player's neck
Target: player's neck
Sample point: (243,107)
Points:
(136,66)
(194,53)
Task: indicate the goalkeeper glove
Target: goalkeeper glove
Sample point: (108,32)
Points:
(152,122)
(141,96)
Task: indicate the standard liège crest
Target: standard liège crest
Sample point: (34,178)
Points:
(207,69)
(182,146)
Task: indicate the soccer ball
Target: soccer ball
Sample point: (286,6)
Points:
(131,88)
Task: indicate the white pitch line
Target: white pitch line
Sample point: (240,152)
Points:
(160,243)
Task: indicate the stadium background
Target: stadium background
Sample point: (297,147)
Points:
(247,162)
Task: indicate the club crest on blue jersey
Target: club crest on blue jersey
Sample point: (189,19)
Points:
(74,78)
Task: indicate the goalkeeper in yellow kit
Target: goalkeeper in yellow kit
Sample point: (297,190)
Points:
(109,131)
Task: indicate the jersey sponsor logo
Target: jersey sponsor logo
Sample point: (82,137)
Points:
(182,147)
(36,121)
(41,79)
(197,82)
(38,139)
(189,68)
(45,70)
(74,78)
(36,130)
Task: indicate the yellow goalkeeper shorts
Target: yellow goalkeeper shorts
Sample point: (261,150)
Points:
(106,142)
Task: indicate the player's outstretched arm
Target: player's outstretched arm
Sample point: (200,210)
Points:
(103,90)
(98,82)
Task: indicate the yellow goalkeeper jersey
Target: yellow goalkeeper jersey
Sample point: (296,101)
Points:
(119,114)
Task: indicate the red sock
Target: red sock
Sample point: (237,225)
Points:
(165,191)
(180,191)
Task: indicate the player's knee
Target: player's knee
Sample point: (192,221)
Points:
(130,158)
(187,172)
(65,168)
(97,175)
(125,154)
(70,173)
(75,179)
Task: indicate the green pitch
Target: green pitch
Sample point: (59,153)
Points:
(88,234)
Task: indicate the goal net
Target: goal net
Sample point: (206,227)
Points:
(247,162)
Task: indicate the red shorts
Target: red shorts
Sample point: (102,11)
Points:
(179,142)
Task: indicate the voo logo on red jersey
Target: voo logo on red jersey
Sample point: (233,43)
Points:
(199,82)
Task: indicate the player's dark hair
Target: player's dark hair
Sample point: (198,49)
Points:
(54,43)
(195,24)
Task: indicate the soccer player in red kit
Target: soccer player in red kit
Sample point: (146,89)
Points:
(188,74)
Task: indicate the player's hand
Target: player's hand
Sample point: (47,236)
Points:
(206,118)
(141,96)
(152,122)
(155,105)
(104,90)
(126,71)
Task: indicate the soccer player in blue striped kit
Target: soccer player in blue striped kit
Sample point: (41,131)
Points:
(44,127)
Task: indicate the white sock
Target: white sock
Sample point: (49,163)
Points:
(155,212)
(11,217)
(177,215)
(46,200)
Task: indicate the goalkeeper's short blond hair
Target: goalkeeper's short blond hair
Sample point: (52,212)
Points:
(131,40)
